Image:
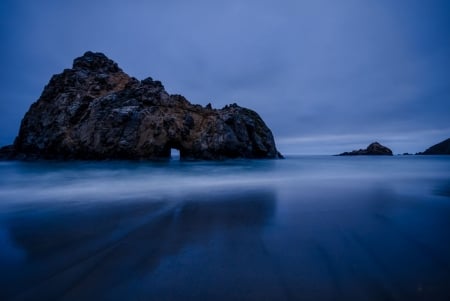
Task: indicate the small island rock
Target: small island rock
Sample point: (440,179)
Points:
(374,149)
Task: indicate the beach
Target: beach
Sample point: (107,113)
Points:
(308,227)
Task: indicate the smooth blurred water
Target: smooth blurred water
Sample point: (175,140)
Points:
(304,228)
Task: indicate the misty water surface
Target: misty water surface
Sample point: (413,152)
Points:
(304,228)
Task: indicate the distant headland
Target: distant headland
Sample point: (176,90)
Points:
(442,148)
(95,111)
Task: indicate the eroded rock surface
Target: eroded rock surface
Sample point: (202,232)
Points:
(95,111)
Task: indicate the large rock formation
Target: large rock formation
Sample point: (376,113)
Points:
(442,148)
(95,111)
(374,148)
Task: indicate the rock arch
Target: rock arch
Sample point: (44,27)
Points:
(96,111)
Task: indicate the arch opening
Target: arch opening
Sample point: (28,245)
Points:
(175,154)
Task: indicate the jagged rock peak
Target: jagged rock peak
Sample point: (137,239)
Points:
(374,149)
(95,111)
(95,61)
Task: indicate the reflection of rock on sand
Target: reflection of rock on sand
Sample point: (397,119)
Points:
(80,250)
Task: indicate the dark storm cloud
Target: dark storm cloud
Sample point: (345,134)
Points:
(325,75)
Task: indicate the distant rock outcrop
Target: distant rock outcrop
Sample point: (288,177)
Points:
(95,111)
(442,148)
(374,149)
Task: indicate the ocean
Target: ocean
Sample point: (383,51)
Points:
(303,228)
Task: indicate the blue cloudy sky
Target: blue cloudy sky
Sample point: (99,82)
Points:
(327,76)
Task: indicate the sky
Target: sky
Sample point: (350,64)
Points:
(326,76)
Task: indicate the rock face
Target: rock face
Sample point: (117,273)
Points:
(374,149)
(442,148)
(95,111)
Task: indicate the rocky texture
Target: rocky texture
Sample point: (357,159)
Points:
(374,149)
(442,148)
(95,111)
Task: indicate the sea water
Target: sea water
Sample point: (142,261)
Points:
(303,228)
